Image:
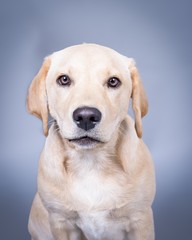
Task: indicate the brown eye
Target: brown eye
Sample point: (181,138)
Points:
(113,82)
(64,80)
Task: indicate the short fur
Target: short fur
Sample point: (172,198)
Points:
(99,191)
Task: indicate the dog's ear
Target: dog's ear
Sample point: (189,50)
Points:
(139,98)
(37,97)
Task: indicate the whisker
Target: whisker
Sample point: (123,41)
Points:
(121,130)
(51,121)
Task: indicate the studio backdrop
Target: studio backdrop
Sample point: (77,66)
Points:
(158,35)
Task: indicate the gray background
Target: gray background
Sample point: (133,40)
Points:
(158,34)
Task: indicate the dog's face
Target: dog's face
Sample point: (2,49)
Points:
(87,89)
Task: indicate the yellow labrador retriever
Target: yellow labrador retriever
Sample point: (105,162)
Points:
(96,177)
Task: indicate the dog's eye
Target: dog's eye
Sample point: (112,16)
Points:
(113,82)
(64,80)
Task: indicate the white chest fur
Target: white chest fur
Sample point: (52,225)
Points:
(98,195)
(100,225)
(93,188)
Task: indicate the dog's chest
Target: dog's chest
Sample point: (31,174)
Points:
(92,190)
(100,225)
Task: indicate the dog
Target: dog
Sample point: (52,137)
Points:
(96,177)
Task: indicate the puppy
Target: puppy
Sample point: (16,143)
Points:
(96,177)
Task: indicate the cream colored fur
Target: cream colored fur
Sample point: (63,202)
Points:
(102,191)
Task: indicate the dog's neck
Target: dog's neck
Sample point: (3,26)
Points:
(100,158)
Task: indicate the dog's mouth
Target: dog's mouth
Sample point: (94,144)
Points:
(85,141)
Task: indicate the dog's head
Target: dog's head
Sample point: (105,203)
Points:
(86,88)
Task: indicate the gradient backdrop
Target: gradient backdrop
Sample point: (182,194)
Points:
(158,34)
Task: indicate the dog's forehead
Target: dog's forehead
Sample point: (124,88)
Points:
(88,55)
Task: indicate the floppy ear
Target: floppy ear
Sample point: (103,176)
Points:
(37,97)
(139,98)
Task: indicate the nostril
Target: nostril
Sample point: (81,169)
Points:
(79,118)
(94,119)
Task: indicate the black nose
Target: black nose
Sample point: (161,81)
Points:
(86,117)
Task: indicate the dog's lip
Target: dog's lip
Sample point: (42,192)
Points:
(85,140)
